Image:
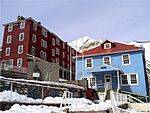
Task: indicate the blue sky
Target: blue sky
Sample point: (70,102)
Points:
(117,20)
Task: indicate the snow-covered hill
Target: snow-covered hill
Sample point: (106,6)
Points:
(85,43)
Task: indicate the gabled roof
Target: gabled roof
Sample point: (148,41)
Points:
(104,68)
(115,48)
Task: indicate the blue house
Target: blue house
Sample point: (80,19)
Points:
(119,66)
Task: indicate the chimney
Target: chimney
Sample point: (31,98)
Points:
(20,18)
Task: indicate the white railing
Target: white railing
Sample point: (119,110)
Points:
(65,97)
(13,68)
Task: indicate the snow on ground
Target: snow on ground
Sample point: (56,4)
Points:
(31,109)
(9,96)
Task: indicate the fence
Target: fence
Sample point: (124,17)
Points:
(13,68)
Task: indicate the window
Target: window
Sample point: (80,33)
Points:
(57,41)
(107,45)
(124,79)
(89,62)
(21,36)
(11,62)
(10,28)
(53,41)
(33,50)
(92,81)
(107,60)
(53,60)
(63,64)
(20,49)
(22,24)
(57,60)
(133,79)
(7,51)
(126,59)
(53,52)
(34,38)
(67,66)
(34,26)
(43,54)
(43,43)
(63,45)
(44,32)
(8,39)
(68,57)
(63,54)
(19,62)
(68,48)
(57,51)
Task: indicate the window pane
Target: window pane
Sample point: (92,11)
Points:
(124,79)
(133,78)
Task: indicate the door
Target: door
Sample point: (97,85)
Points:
(108,81)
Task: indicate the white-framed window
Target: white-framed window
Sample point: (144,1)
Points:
(92,81)
(7,51)
(68,57)
(53,52)
(107,45)
(68,48)
(124,79)
(57,51)
(22,24)
(53,60)
(57,41)
(57,60)
(133,79)
(11,62)
(33,50)
(63,63)
(107,60)
(53,41)
(21,36)
(19,62)
(63,54)
(63,45)
(9,39)
(33,38)
(126,59)
(10,28)
(43,43)
(68,67)
(34,26)
(20,49)
(43,55)
(44,32)
(89,63)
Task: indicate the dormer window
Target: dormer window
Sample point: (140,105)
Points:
(107,45)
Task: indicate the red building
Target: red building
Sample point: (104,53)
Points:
(26,37)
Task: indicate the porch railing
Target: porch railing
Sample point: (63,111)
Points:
(13,68)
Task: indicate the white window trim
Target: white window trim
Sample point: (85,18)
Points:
(86,63)
(91,81)
(20,36)
(18,49)
(107,44)
(18,62)
(109,59)
(6,50)
(129,59)
(31,50)
(9,36)
(24,23)
(127,79)
(136,78)
(33,35)
(10,26)
(34,24)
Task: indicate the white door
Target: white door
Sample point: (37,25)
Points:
(108,81)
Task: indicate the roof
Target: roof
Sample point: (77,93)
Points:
(104,68)
(115,48)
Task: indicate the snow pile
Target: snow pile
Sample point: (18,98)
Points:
(67,101)
(9,96)
(93,107)
(31,109)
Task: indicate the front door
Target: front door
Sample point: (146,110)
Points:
(108,81)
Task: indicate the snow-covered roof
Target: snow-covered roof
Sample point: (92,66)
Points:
(44,83)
